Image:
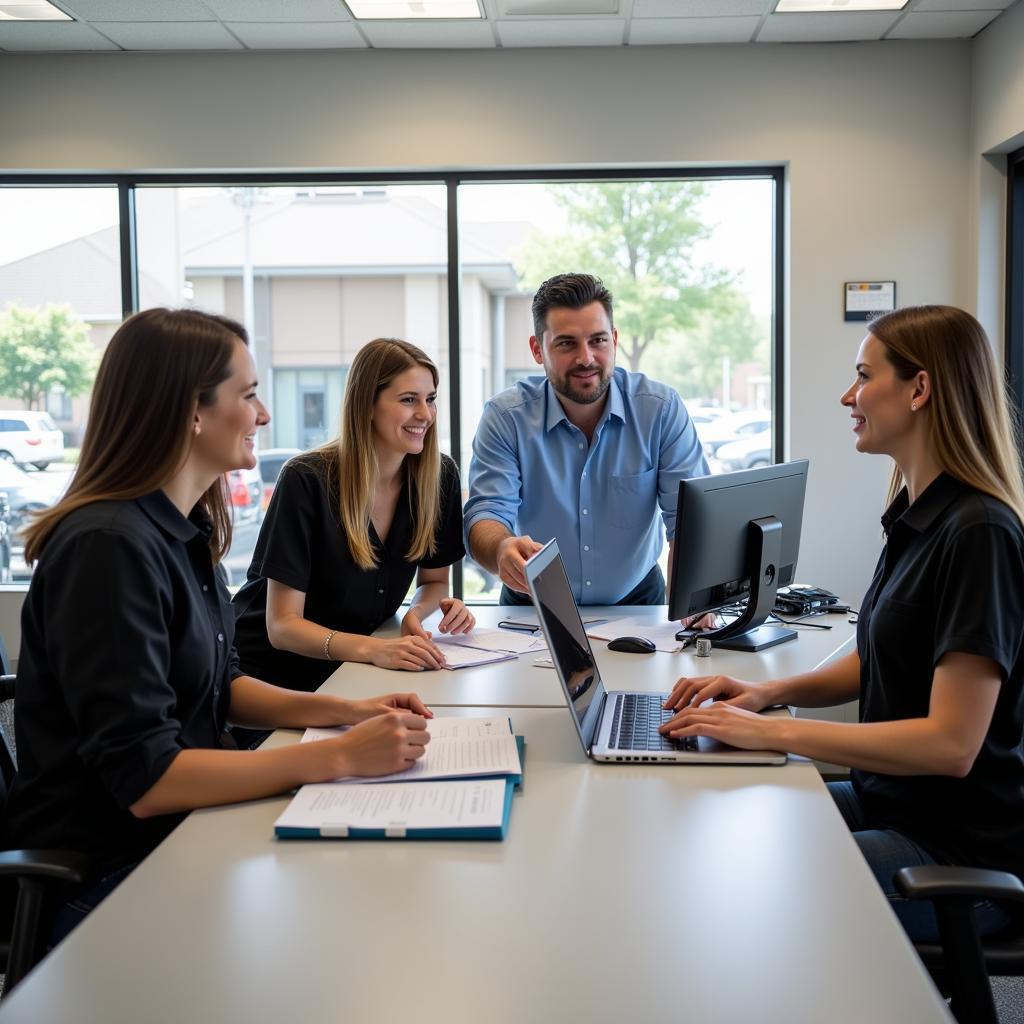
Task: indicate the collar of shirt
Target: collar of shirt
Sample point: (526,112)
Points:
(162,511)
(556,412)
(920,516)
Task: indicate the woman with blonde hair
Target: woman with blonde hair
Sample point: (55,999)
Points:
(349,526)
(938,768)
(127,674)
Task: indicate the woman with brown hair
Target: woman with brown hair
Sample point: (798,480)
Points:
(349,526)
(127,674)
(938,768)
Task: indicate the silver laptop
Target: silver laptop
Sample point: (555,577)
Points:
(617,726)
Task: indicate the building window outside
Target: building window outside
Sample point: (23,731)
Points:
(316,270)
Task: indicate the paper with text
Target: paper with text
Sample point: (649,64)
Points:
(440,805)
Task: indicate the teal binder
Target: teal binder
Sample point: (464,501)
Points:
(512,783)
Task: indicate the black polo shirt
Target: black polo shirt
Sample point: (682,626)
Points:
(303,545)
(126,659)
(951,578)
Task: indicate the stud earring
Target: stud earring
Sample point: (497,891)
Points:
(913,408)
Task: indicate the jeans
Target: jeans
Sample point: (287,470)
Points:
(886,852)
(75,911)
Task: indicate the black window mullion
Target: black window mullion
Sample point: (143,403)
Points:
(129,249)
(1014,348)
(778,357)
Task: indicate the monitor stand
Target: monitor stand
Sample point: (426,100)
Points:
(747,632)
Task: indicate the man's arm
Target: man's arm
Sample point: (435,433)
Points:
(493,546)
(680,457)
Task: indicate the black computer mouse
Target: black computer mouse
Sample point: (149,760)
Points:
(631,645)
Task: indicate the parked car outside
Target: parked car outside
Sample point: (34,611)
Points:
(245,495)
(5,538)
(734,427)
(27,493)
(271,463)
(30,438)
(749,453)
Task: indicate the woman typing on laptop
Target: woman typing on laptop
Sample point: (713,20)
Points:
(938,770)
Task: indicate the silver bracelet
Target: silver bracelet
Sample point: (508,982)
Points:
(327,645)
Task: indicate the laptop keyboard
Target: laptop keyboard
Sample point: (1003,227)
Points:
(635,724)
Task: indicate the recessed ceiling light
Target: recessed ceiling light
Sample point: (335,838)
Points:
(412,9)
(837,6)
(31,10)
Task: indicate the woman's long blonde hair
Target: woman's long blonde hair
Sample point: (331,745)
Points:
(971,430)
(351,461)
(159,365)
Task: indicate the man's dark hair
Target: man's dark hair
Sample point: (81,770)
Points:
(568,291)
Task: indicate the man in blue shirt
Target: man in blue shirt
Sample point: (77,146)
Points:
(586,454)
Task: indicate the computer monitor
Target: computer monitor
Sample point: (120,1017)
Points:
(737,538)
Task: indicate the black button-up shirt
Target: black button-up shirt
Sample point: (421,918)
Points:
(126,659)
(951,578)
(303,545)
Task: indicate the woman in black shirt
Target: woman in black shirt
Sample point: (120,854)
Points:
(938,771)
(349,526)
(127,675)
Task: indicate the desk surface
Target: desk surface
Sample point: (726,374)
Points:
(520,683)
(742,898)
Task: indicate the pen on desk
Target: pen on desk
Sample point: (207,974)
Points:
(521,627)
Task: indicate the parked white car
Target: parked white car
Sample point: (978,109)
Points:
(734,427)
(749,453)
(30,438)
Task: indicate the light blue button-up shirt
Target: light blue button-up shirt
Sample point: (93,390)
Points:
(534,472)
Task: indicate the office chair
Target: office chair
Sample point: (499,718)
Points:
(961,962)
(40,874)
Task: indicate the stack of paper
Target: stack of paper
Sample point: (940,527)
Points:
(481,753)
(482,646)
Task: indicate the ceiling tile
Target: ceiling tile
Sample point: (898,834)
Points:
(961,5)
(942,24)
(699,8)
(203,35)
(428,35)
(327,35)
(295,11)
(51,35)
(138,10)
(666,31)
(825,28)
(551,32)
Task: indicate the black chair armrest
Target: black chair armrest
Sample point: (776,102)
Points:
(7,688)
(55,865)
(935,881)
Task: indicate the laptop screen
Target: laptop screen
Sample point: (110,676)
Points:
(567,640)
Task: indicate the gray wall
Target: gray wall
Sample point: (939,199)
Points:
(876,139)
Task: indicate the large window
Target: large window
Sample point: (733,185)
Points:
(315,268)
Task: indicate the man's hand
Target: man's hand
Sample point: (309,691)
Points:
(512,555)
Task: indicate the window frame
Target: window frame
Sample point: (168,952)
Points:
(1014,342)
(127,185)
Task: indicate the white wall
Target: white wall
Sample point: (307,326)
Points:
(874,136)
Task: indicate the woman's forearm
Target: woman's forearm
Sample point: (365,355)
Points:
(204,778)
(301,636)
(913,746)
(427,598)
(835,683)
(259,705)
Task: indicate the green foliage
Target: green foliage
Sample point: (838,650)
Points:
(43,348)
(639,238)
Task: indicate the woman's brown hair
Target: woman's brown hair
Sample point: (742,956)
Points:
(158,367)
(351,461)
(971,431)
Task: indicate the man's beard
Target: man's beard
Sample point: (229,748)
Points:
(566,390)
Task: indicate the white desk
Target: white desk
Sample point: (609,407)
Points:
(520,683)
(744,900)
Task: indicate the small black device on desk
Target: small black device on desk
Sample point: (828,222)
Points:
(631,645)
